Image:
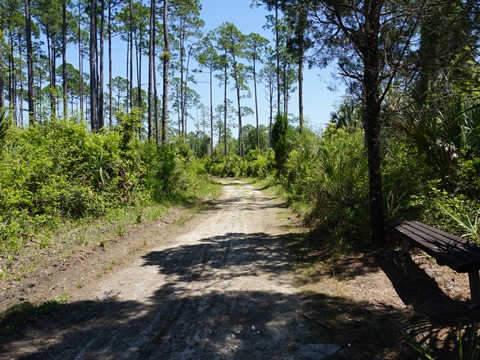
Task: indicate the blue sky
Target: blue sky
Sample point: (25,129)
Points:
(318,100)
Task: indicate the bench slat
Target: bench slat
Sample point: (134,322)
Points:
(443,257)
(455,252)
(459,254)
(457,246)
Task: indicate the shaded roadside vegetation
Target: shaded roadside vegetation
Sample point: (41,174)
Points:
(322,174)
(345,296)
(57,175)
(430,169)
(430,173)
(162,328)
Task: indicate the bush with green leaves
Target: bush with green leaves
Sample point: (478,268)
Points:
(301,168)
(229,166)
(341,191)
(404,174)
(432,172)
(59,170)
(259,165)
(160,167)
(280,142)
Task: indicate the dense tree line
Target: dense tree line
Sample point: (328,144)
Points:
(400,79)
(39,36)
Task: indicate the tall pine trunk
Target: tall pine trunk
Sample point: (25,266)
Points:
(151,69)
(256,102)
(110,67)
(30,81)
(301,27)
(300,90)
(52,74)
(166,63)
(101,99)
(130,34)
(211,115)
(12,98)
(2,74)
(225,103)
(21,93)
(155,97)
(138,47)
(93,68)
(64,58)
(2,80)
(80,60)
(237,88)
(286,87)
(371,117)
(277,55)
(182,89)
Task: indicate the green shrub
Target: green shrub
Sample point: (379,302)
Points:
(280,142)
(258,165)
(161,170)
(405,174)
(59,170)
(339,185)
(229,166)
(302,167)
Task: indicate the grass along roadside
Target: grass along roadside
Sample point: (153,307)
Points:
(23,313)
(77,239)
(30,286)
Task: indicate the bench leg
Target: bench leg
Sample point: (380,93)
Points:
(406,247)
(474,280)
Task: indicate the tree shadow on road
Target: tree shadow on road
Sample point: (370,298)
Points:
(231,325)
(238,254)
(434,317)
(197,313)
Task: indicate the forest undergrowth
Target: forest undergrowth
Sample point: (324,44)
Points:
(62,185)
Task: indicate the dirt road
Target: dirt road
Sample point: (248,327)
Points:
(220,288)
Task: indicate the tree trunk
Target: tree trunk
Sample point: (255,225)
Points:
(101,99)
(185,103)
(182,91)
(371,118)
(277,50)
(12,80)
(301,27)
(151,40)
(131,54)
(30,87)
(20,94)
(225,105)
(300,88)
(64,58)
(256,102)
(155,97)
(240,130)
(286,87)
(127,72)
(80,60)
(110,67)
(166,62)
(2,80)
(93,69)
(138,47)
(270,101)
(211,115)
(51,72)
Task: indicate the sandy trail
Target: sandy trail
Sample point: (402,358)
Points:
(219,288)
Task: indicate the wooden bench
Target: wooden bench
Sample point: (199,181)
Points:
(459,254)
